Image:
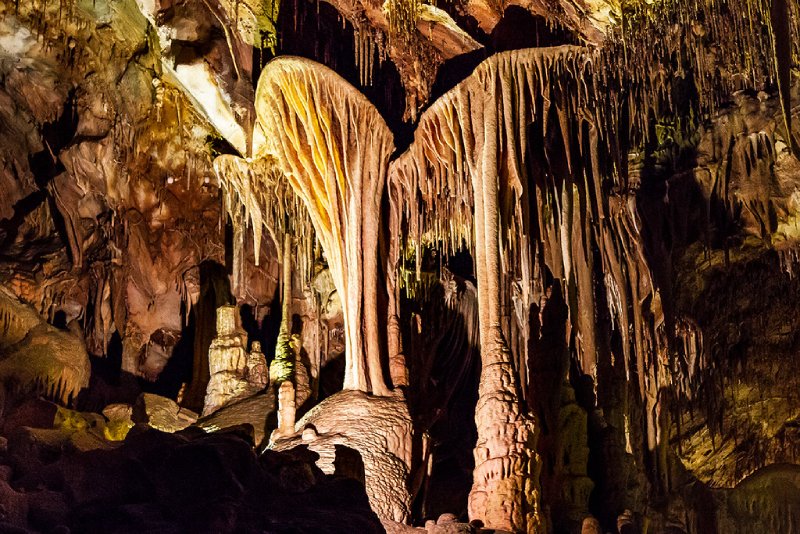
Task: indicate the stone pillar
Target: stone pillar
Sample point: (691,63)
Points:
(626,523)
(257,372)
(286,410)
(227,361)
(591,526)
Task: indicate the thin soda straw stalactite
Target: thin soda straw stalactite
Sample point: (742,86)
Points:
(403,16)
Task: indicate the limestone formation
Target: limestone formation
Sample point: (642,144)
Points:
(161,413)
(525,266)
(120,421)
(227,361)
(591,526)
(257,411)
(257,372)
(286,410)
(333,147)
(378,428)
(34,354)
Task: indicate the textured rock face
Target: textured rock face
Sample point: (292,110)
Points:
(98,169)
(55,480)
(740,195)
(505,492)
(36,355)
(218,82)
(257,411)
(161,413)
(378,428)
(257,373)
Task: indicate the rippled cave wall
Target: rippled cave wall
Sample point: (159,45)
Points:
(549,251)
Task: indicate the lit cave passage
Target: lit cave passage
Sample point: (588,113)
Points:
(354,267)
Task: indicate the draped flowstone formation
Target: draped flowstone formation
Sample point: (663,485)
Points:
(510,165)
(333,147)
(550,254)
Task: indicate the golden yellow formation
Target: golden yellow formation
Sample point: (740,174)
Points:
(333,147)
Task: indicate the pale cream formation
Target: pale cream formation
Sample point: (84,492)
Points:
(469,180)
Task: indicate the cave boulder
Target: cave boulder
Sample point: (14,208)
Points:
(161,413)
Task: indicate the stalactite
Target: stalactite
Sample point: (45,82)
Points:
(256,194)
(720,47)
(333,147)
(38,356)
(365,49)
(468,175)
(403,16)
(780,22)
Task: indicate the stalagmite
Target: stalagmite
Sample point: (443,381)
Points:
(227,361)
(508,164)
(283,364)
(257,372)
(591,525)
(333,148)
(286,409)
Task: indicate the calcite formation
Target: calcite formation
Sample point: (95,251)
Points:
(287,410)
(257,373)
(227,361)
(257,412)
(161,413)
(520,266)
(378,428)
(36,355)
(333,147)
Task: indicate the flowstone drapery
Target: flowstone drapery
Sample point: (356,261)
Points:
(508,164)
(515,164)
(333,147)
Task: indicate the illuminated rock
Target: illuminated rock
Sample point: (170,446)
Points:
(257,411)
(286,410)
(161,413)
(120,421)
(37,355)
(333,147)
(378,428)
(591,525)
(257,372)
(227,361)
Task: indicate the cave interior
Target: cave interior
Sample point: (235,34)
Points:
(351,266)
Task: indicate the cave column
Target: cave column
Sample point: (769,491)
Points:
(505,492)
(398,371)
(333,147)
